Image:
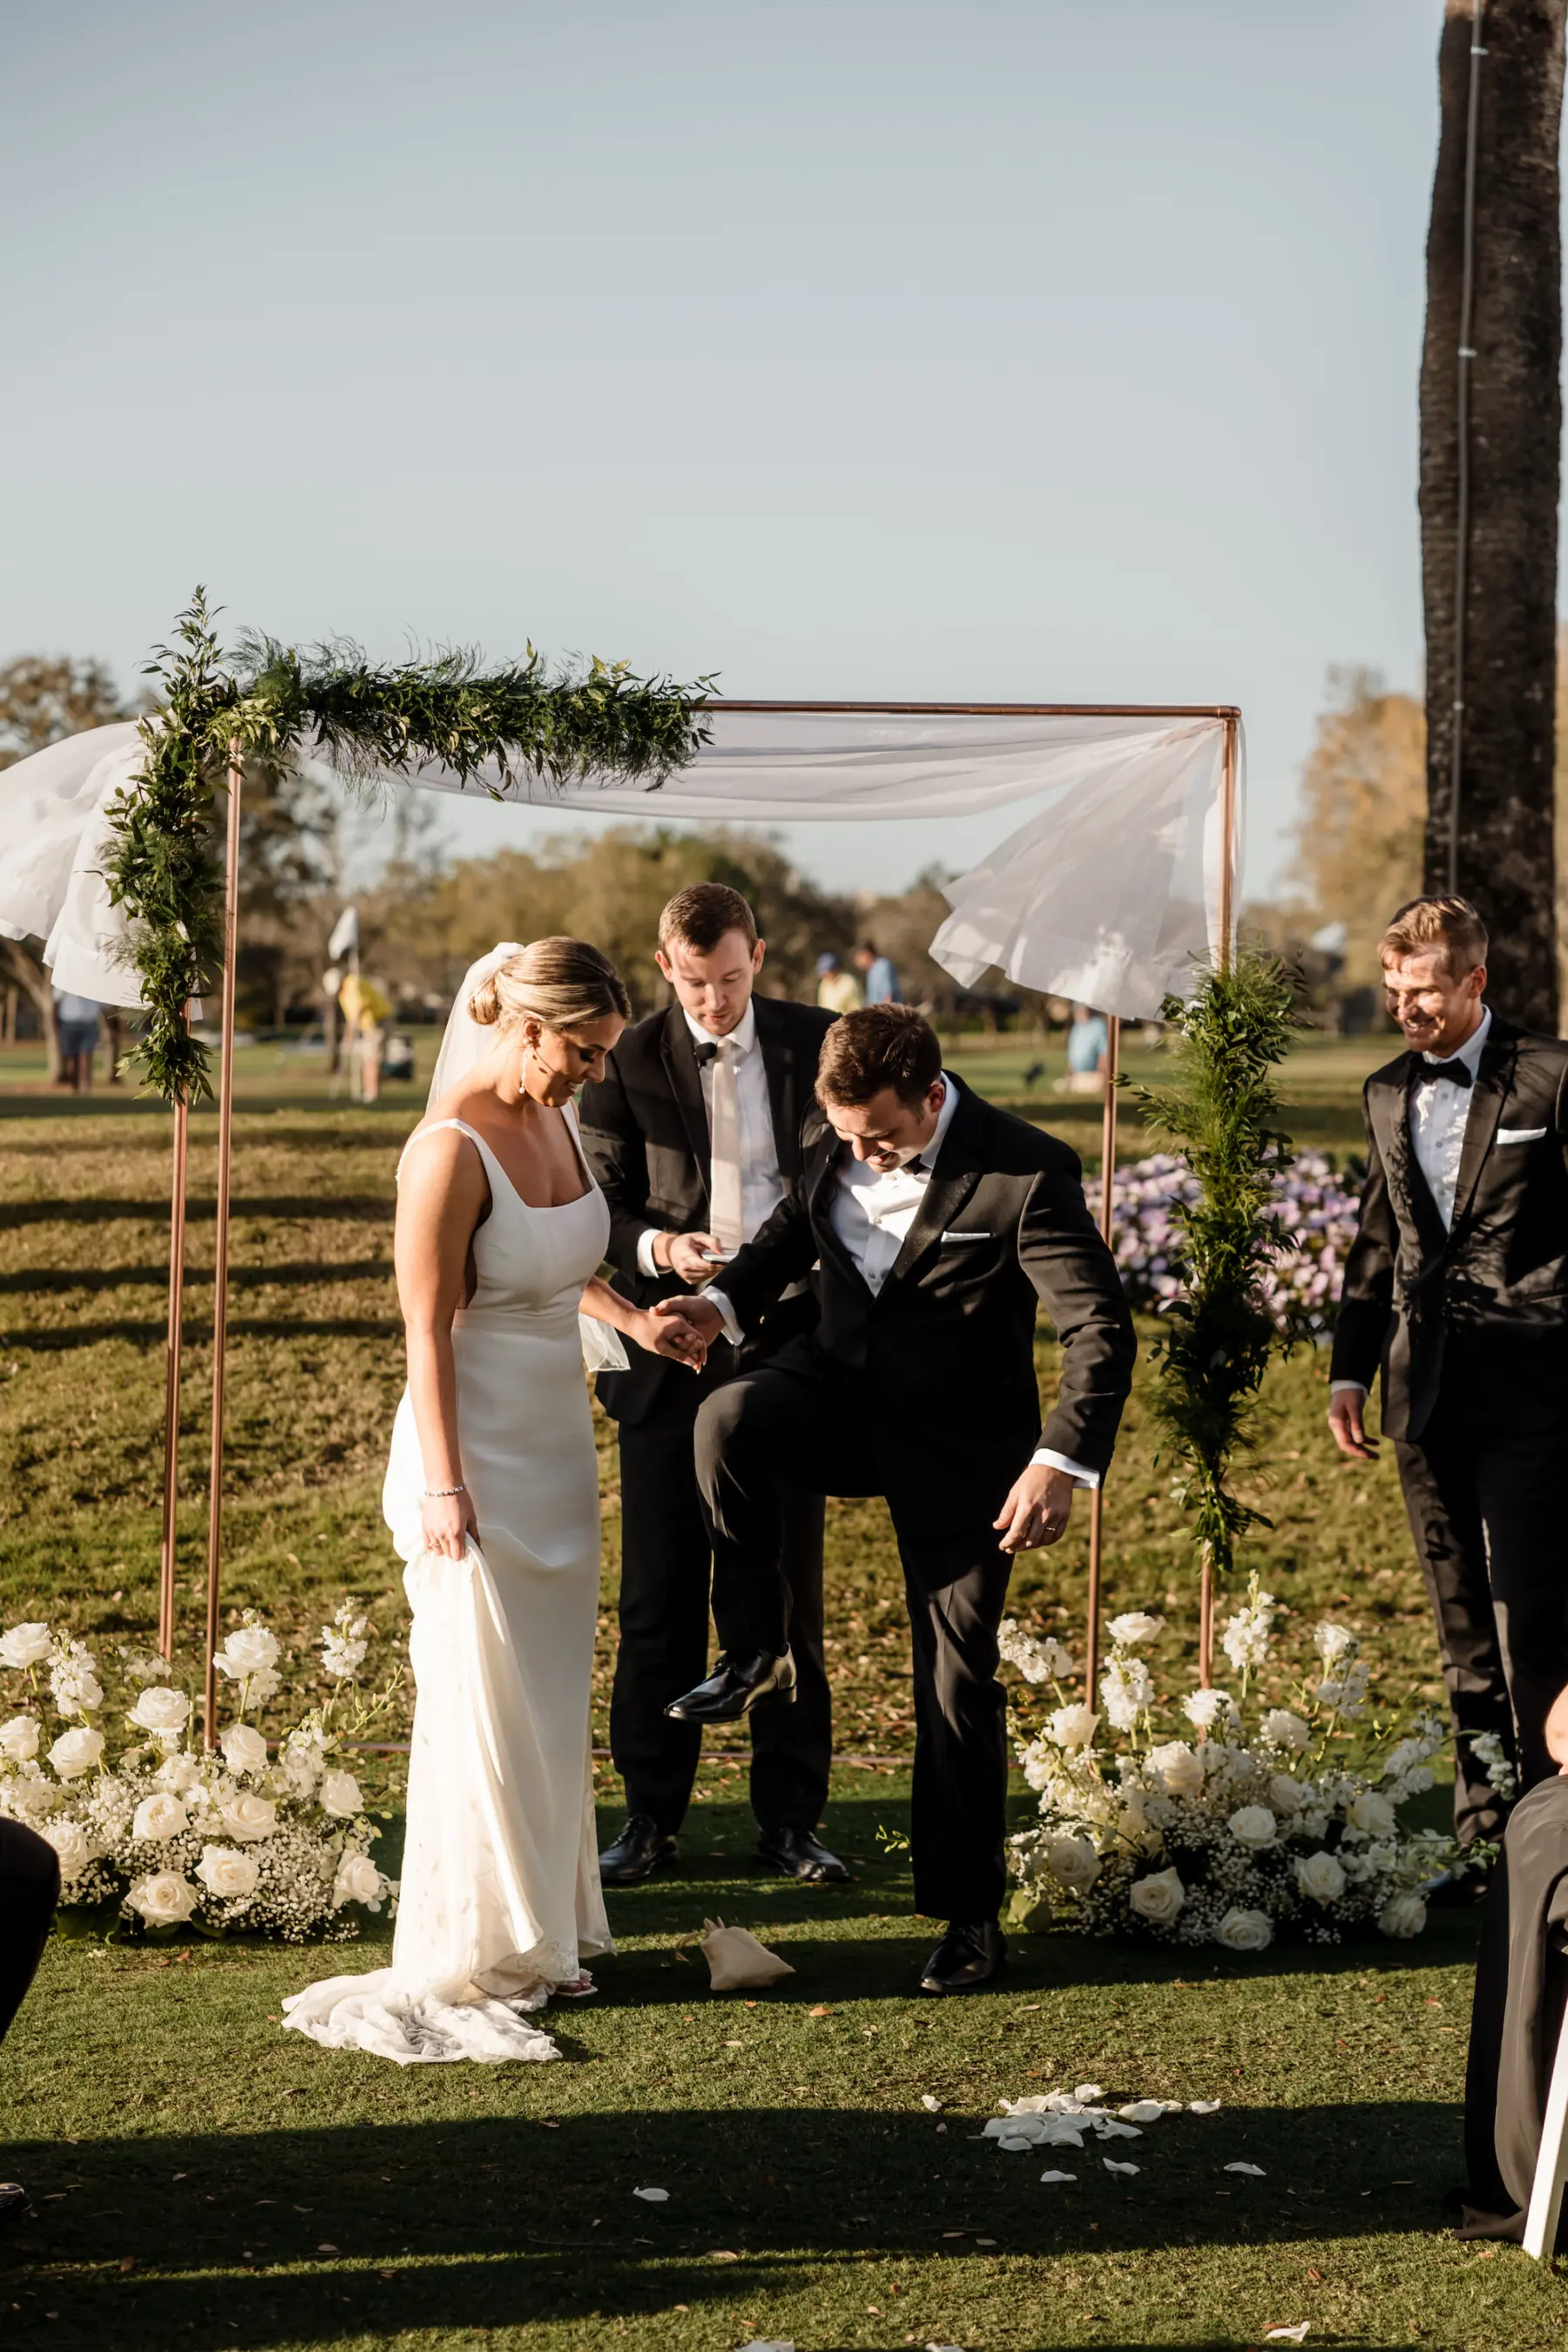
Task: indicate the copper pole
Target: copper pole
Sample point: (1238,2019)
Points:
(1228,765)
(1107,1190)
(172,1379)
(220,1260)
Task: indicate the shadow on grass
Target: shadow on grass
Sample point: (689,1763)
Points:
(285,2236)
(305,1273)
(365,1208)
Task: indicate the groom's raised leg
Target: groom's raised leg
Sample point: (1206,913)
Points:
(663,1648)
(958,1807)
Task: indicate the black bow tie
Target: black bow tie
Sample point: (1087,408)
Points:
(1458,1073)
(703,1054)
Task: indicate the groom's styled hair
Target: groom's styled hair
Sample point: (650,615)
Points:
(881,1045)
(704,913)
(1450,927)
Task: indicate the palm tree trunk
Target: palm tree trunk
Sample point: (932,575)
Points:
(1496,845)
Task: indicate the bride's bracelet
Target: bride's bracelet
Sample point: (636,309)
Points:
(432,1493)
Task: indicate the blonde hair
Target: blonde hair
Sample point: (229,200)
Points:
(560,984)
(1451,926)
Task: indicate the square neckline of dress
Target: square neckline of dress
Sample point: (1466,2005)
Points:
(487,1151)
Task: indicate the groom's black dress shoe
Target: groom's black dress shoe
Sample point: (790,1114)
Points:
(966,1958)
(734,1686)
(800,1855)
(641,1848)
(14,2201)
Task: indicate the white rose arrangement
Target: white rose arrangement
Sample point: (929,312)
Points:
(1248,1821)
(262,1837)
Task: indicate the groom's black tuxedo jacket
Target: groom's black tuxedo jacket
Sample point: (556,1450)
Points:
(1503,1267)
(645,1130)
(939,1364)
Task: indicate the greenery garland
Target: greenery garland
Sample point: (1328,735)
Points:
(272,702)
(1221,1112)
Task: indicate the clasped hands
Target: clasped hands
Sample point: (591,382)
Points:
(1039,1499)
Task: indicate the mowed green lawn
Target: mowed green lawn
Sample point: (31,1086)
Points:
(201,2178)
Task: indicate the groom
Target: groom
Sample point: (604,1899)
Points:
(939,1224)
(694,1135)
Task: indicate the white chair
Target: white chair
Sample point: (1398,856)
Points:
(1552,2164)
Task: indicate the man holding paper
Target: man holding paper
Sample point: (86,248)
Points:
(694,1135)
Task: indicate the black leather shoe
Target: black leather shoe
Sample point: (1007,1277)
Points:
(13,2201)
(966,1958)
(799,1854)
(734,1686)
(641,1848)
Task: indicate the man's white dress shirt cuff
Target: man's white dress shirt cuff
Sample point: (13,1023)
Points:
(1358,1386)
(1045,1458)
(733,1331)
(646,1261)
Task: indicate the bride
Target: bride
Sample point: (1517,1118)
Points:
(493,1497)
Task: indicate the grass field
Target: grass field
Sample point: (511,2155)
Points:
(202,2179)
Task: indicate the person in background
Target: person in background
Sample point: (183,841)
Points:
(877,977)
(694,1133)
(1456,1292)
(1089,1048)
(29,1889)
(837,991)
(76,1024)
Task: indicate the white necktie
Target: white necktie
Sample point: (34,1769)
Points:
(724,1216)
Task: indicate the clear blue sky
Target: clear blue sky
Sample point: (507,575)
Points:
(1023,350)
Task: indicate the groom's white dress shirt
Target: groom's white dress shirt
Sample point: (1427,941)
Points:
(761,1186)
(1440,1113)
(871,1212)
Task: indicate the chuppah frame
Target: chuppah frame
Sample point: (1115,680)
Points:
(1230,719)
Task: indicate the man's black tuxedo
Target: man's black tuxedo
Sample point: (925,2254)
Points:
(924,1393)
(1469,1329)
(644,1129)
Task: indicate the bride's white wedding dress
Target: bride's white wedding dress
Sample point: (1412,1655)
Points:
(500,1896)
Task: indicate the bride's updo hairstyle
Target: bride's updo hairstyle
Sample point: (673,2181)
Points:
(560,984)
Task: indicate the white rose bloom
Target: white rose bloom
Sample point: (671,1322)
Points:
(24,1645)
(1073,1727)
(1320,1877)
(340,1795)
(357,1881)
(1402,1915)
(1372,1813)
(1136,1625)
(245,1817)
(224,1872)
(1254,1827)
(1073,1864)
(164,1899)
(1288,1795)
(244,1750)
(249,1650)
(1158,1899)
(1332,1642)
(161,1710)
(19,1739)
(1283,1729)
(72,1845)
(1245,1931)
(160,1817)
(1180,1768)
(76,1752)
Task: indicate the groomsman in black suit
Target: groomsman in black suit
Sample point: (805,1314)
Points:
(940,1223)
(1455,1289)
(694,1134)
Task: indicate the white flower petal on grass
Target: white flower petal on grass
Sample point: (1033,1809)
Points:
(652,2196)
(929,2104)
(1253,2171)
(1107,2128)
(1089,2091)
(1111,2166)
(1203,2107)
(1058,2176)
(1286,2334)
(1015,2143)
(1142,2111)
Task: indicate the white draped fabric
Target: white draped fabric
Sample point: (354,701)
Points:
(1109,892)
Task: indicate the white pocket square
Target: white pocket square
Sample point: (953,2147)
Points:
(1519,1134)
(975,1238)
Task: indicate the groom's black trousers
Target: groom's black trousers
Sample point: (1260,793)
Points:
(665,1570)
(797,1425)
